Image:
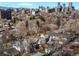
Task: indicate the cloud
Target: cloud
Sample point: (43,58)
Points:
(15,6)
(25,4)
(20,5)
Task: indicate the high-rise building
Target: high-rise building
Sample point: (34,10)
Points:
(58,4)
(6,14)
(64,6)
(70,5)
(59,7)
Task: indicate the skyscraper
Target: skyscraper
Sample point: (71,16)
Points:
(58,3)
(70,5)
(64,6)
(58,7)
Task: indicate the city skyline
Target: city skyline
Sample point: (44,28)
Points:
(35,4)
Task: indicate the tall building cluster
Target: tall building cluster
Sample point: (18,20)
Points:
(63,8)
(7,13)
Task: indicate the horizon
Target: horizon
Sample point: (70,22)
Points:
(35,4)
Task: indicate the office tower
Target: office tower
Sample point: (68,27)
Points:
(58,6)
(72,8)
(70,5)
(64,6)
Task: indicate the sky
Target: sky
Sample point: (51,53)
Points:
(35,4)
